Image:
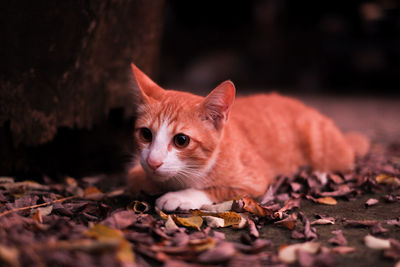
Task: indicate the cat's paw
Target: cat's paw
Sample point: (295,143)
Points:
(184,200)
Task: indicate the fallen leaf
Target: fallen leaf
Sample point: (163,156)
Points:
(45,211)
(378,229)
(343,249)
(395,222)
(255,247)
(323,221)
(161,213)
(120,219)
(288,254)
(342,190)
(170,225)
(230,217)
(327,200)
(9,256)
(335,178)
(252,228)
(394,251)
(252,206)
(37,216)
(310,233)
(370,202)
(376,243)
(242,223)
(102,232)
(297,235)
(221,207)
(360,223)
(192,222)
(93,193)
(214,222)
(387,179)
(202,244)
(220,253)
(338,239)
(390,198)
(289,222)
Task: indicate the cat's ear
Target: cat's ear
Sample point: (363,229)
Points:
(218,103)
(145,86)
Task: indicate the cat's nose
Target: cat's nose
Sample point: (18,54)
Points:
(154,164)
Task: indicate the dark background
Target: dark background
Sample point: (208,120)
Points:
(335,47)
(66,106)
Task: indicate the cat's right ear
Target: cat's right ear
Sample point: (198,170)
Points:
(146,88)
(218,103)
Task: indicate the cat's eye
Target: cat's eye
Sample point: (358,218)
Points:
(146,134)
(181,140)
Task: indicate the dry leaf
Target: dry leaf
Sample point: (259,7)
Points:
(387,179)
(220,253)
(242,223)
(378,229)
(360,223)
(338,239)
(324,221)
(376,243)
(37,216)
(160,213)
(327,200)
(93,193)
(202,244)
(343,249)
(9,256)
(288,254)
(230,217)
(170,225)
(252,228)
(289,222)
(105,233)
(221,207)
(214,222)
(370,202)
(252,206)
(395,222)
(192,222)
(336,178)
(120,219)
(100,231)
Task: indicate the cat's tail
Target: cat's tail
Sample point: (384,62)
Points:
(359,142)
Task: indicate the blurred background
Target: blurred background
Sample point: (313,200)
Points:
(66,106)
(318,47)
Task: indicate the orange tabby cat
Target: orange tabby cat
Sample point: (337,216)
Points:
(200,150)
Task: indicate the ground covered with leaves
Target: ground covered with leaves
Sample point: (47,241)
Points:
(309,219)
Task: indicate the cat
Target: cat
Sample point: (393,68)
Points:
(203,150)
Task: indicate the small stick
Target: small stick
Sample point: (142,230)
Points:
(60,200)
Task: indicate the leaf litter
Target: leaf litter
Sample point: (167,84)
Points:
(85,221)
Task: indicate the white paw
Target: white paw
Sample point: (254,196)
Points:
(184,200)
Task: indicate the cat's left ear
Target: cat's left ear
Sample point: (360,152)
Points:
(218,103)
(147,88)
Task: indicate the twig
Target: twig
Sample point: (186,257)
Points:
(37,206)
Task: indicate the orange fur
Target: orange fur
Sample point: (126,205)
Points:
(238,148)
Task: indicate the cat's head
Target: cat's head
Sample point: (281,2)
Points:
(178,133)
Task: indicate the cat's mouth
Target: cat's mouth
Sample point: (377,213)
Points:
(159,175)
